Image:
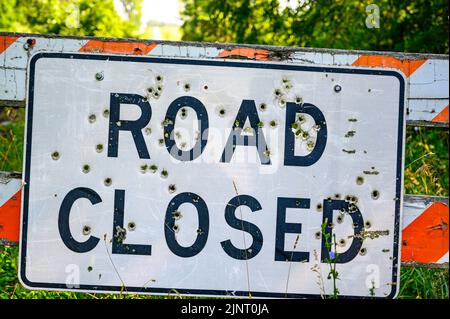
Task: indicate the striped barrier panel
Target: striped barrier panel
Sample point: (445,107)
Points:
(425,218)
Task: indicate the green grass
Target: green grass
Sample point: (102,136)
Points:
(426,172)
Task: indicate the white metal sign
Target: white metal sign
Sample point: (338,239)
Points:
(207,177)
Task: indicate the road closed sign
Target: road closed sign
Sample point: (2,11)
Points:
(211,177)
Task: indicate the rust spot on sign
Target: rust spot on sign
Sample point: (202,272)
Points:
(137,48)
(406,66)
(253,54)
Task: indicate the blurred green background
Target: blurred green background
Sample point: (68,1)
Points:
(405,26)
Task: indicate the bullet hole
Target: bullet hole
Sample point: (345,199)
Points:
(161,141)
(282,103)
(277,92)
(352,208)
(363,251)
(337,196)
(156,94)
(177,215)
(295,126)
(317,235)
(172,188)
(166,135)
(164,173)
(153,168)
(319,207)
(131,226)
(199,231)
(369,90)
(187,87)
(367,224)
(260,124)
(249,130)
(360,180)
(316,127)
(55,155)
(285,80)
(108,181)
(195,199)
(105,112)
(183,145)
(310,145)
(267,153)
(404,243)
(301,118)
(287,86)
(92,118)
(99,148)
(148,131)
(86,168)
(350,134)
(159,88)
(340,219)
(297,203)
(144,168)
(273,124)
(222,112)
(304,135)
(337,88)
(342,242)
(263,107)
(236,123)
(375,194)
(330,225)
(205,87)
(120,234)
(299,100)
(183,113)
(159,78)
(355,225)
(86,230)
(150,90)
(99,76)
(175,228)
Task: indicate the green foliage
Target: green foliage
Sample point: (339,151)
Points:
(423,283)
(11,139)
(413,26)
(426,161)
(70,17)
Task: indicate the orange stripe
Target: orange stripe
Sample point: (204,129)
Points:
(5,42)
(138,48)
(10,218)
(442,116)
(245,52)
(425,240)
(406,66)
